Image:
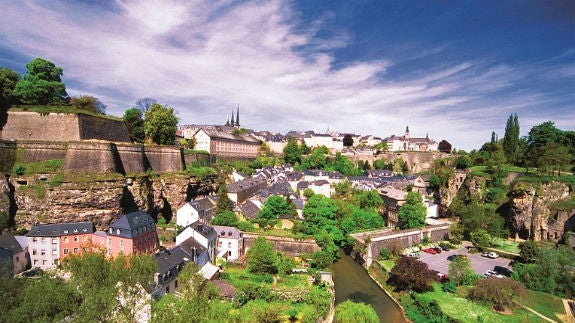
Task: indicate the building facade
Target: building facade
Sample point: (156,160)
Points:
(224,144)
(133,233)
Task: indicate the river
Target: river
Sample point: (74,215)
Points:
(352,282)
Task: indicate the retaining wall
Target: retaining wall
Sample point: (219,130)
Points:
(92,157)
(164,159)
(7,156)
(285,245)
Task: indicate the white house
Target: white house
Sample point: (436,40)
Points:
(204,234)
(321,187)
(197,210)
(230,242)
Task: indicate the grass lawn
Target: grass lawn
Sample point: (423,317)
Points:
(44,166)
(506,245)
(464,310)
(544,303)
(387,264)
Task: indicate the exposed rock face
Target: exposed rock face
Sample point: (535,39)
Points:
(531,215)
(4,195)
(446,194)
(99,201)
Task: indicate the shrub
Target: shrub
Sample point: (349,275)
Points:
(384,254)
(20,170)
(449,287)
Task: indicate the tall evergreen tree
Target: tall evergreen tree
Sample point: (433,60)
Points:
(292,154)
(511,139)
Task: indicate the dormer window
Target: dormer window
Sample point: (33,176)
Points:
(111,230)
(75,230)
(85,230)
(66,231)
(117,231)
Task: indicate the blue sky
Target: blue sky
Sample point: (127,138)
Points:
(453,69)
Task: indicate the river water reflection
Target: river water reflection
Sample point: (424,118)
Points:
(352,282)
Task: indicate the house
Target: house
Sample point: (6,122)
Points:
(421,184)
(198,253)
(225,144)
(407,143)
(321,186)
(204,234)
(197,210)
(170,263)
(393,199)
(250,209)
(49,243)
(133,233)
(378,173)
(240,191)
(230,242)
(14,257)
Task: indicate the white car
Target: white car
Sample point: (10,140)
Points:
(492,255)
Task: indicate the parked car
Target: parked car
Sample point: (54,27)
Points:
(437,249)
(453,257)
(503,271)
(430,251)
(492,255)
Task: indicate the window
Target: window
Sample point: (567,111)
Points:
(75,239)
(66,231)
(43,252)
(176,284)
(121,243)
(44,262)
(35,262)
(75,250)
(117,231)
(66,239)
(17,259)
(54,252)
(34,252)
(34,239)
(66,251)
(54,240)
(85,238)
(43,239)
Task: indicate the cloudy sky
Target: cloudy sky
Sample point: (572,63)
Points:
(453,69)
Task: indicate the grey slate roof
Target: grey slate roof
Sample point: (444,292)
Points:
(227,232)
(245,184)
(132,225)
(10,243)
(215,134)
(250,210)
(168,259)
(193,248)
(203,229)
(60,229)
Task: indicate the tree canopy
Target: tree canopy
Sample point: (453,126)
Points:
(351,312)
(275,207)
(42,84)
(511,139)
(411,274)
(262,257)
(8,81)
(292,153)
(88,103)
(161,124)
(133,118)
(412,214)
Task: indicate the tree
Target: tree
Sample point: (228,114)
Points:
(461,272)
(351,312)
(224,202)
(161,124)
(135,124)
(8,81)
(347,141)
(274,207)
(412,214)
(529,251)
(499,291)
(261,257)
(361,220)
(344,165)
(369,199)
(382,146)
(480,238)
(42,84)
(226,218)
(292,154)
(434,182)
(463,162)
(511,139)
(411,274)
(189,143)
(319,212)
(145,104)
(88,103)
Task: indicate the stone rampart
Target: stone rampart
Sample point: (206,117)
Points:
(45,127)
(164,159)
(417,161)
(30,151)
(7,156)
(132,157)
(91,127)
(92,157)
(285,245)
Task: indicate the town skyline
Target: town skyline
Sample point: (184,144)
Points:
(453,70)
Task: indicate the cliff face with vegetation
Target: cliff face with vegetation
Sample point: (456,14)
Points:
(45,199)
(542,210)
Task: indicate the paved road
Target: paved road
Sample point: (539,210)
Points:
(480,264)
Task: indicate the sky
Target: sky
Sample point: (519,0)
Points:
(454,70)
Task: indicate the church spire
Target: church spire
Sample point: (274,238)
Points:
(238,117)
(227,120)
(232,122)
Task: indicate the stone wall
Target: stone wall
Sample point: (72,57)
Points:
(22,125)
(133,158)
(164,159)
(285,245)
(7,156)
(92,157)
(30,151)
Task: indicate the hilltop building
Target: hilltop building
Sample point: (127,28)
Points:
(407,143)
(225,144)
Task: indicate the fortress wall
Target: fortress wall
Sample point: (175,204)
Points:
(164,159)
(285,245)
(35,126)
(417,161)
(201,159)
(93,157)
(91,127)
(7,156)
(132,157)
(30,151)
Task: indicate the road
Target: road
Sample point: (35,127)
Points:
(480,264)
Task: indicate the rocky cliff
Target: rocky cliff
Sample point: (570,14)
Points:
(541,211)
(45,199)
(447,193)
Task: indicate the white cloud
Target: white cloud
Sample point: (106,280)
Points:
(206,57)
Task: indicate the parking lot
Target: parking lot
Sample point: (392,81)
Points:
(479,263)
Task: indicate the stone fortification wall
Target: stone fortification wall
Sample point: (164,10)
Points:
(132,157)
(7,156)
(91,127)
(30,151)
(164,159)
(200,159)
(287,246)
(23,125)
(417,161)
(92,157)
(35,126)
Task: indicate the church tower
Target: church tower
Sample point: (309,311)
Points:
(232,123)
(407,132)
(238,117)
(227,120)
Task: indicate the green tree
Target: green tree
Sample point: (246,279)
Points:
(226,218)
(499,291)
(8,81)
(161,124)
(555,157)
(411,274)
(344,165)
(529,251)
(461,272)
(412,214)
(316,160)
(88,103)
(275,207)
(369,199)
(320,212)
(42,84)
(135,124)
(261,257)
(480,238)
(351,312)
(511,139)
(361,220)
(224,202)
(292,153)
